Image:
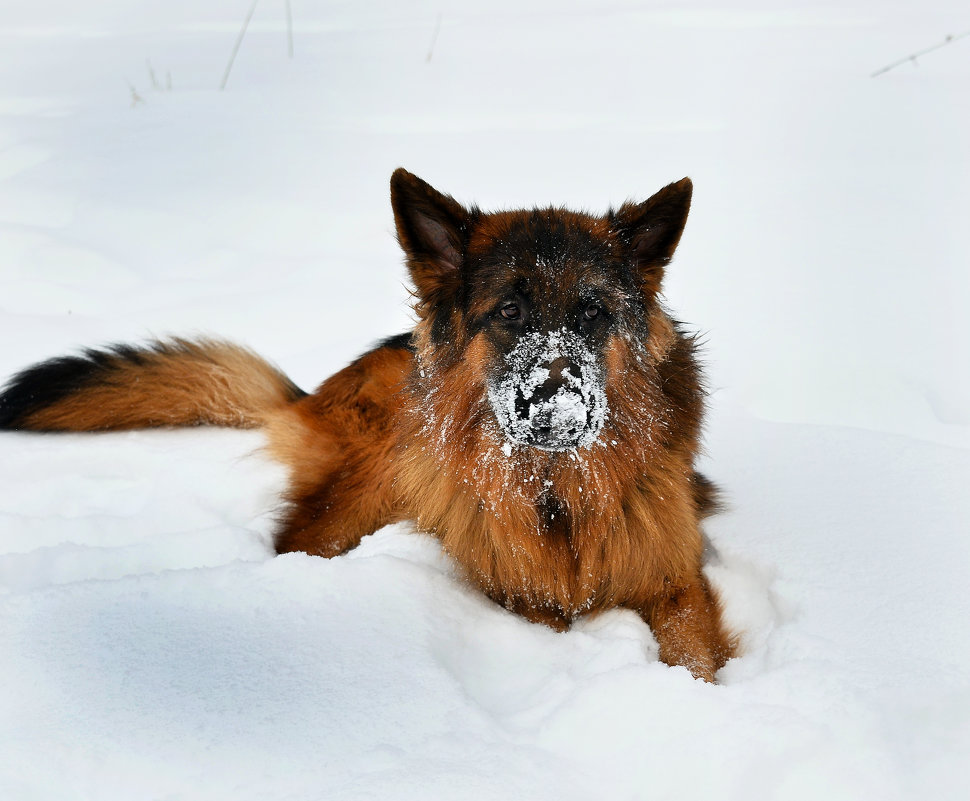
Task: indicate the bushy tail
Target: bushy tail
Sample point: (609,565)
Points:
(707,498)
(175,382)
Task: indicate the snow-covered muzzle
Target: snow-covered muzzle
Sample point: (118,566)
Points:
(551,395)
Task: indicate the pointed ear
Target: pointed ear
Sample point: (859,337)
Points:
(653,228)
(431,228)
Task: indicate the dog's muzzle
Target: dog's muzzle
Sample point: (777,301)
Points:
(552,395)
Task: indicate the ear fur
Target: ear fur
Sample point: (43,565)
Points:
(653,228)
(431,229)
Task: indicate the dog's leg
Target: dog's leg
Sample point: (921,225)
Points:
(546,615)
(686,621)
(336,516)
(339,445)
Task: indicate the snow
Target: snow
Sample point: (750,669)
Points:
(154,648)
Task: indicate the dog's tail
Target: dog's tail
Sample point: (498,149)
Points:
(174,382)
(707,497)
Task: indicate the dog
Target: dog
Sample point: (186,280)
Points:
(541,420)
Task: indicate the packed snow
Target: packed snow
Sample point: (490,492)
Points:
(154,648)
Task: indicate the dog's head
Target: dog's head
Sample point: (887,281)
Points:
(536,298)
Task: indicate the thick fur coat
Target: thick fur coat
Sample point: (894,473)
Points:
(542,419)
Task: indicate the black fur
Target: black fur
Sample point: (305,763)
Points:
(398,342)
(45,384)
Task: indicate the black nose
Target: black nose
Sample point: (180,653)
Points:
(558,369)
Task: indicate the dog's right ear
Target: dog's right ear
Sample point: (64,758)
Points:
(432,230)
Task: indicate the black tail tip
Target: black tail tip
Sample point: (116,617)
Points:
(41,386)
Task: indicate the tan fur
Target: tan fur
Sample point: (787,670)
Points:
(627,533)
(623,530)
(204,382)
(339,445)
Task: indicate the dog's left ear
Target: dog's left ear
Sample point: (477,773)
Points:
(431,228)
(652,229)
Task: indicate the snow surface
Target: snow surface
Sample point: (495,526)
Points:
(154,649)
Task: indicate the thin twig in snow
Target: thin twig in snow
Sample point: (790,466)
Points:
(289,29)
(914,56)
(235,49)
(434,37)
(151,75)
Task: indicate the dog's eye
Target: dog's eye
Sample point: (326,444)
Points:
(510,311)
(592,311)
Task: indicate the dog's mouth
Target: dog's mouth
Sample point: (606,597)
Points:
(551,397)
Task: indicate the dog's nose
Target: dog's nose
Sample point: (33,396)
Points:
(552,395)
(560,371)
(559,366)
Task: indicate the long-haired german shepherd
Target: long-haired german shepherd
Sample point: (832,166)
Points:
(541,420)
